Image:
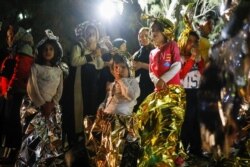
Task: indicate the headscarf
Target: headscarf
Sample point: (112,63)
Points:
(50,37)
(80,30)
(167,25)
(23,42)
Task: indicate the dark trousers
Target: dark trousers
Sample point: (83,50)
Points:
(12,126)
(190,133)
(90,89)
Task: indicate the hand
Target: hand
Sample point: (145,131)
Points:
(117,88)
(98,52)
(117,75)
(100,112)
(47,108)
(160,84)
(136,65)
(195,54)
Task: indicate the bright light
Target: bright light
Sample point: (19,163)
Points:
(20,16)
(107,9)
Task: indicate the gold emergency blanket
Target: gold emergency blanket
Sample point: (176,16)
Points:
(160,119)
(111,140)
(42,141)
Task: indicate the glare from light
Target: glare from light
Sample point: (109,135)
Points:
(107,9)
(20,16)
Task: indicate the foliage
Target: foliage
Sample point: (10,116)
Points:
(196,10)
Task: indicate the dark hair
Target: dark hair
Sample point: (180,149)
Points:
(57,53)
(118,42)
(119,59)
(160,27)
(193,33)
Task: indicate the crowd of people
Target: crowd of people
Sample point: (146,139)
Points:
(105,107)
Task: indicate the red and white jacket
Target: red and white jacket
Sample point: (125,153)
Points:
(165,64)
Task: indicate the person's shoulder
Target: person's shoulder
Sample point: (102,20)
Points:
(155,50)
(136,54)
(173,43)
(150,47)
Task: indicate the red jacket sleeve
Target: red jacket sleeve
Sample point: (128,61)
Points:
(186,67)
(4,85)
(19,79)
(201,65)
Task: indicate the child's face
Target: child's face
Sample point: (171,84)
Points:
(191,43)
(48,52)
(120,71)
(157,36)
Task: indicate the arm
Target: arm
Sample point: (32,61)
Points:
(99,61)
(201,65)
(138,65)
(186,68)
(58,95)
(174,69)
(176,63)
(21,73)
(33,90)
(153,78)
(129,88)
(77,59)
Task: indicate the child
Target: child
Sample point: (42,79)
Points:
(42,144)
(113,126)
(161,113)
(192,67)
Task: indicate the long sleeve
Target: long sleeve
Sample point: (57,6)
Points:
(174,69)
(58,95)
(77,59)
(99,63)
(33,90)
(186,68)
(201,65)
(153,78)
(129,88)
(21,72)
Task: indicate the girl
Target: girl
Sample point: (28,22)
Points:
(42,141)
(161,113)
(112,135)
(192,67)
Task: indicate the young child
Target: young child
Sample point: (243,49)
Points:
(192,68)
(113,129)
(42,144)
(161,113)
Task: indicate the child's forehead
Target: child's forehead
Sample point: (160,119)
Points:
(120,64)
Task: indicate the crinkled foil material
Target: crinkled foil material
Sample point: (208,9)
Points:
(107,138)
(42,141)
(160,118)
